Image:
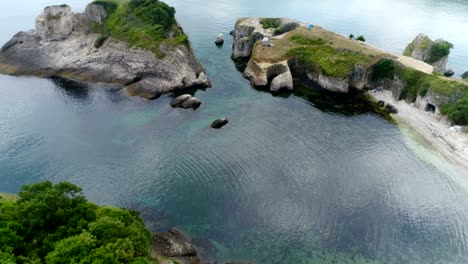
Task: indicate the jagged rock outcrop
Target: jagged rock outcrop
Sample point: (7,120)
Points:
(424,49)
(186,101)
(63,45)
(276,76)
(249,30)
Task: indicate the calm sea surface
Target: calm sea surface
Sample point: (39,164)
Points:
(289,180)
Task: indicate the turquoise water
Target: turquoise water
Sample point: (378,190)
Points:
(289,180)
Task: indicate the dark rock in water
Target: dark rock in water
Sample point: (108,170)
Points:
(449,73)
(219,41)
(465,75)
(232,32)
(219,123)
(392,109)
(172,244)
(186,101)
(381,103)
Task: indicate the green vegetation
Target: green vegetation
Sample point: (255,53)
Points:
(420,83)
(439,50)
(351,36)
(330,61)
(142,23)
(56,224)
(270,22)
(303,40)
(100,41)
(361,38)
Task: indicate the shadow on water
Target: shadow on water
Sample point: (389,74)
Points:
(73,89)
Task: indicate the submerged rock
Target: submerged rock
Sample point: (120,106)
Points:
(464,75)
(186,101)
(391,109)
(63,44)
(219,123)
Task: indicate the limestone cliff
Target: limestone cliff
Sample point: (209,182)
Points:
(326,60)
(67,44)
(433,52)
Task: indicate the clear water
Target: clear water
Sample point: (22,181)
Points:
(289,180)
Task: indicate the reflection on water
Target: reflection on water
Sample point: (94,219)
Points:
(304,178)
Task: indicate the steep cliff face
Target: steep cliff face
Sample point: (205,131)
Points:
(65,44)
(433,52)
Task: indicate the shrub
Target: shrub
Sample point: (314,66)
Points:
(56,224)
(351,36)
(110,6)
(361,38)
(457,112)
(270,22)
(299,39)
(439,50)
(383,69)
(100,41)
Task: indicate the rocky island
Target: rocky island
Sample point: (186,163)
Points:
(281,52)
(137,44)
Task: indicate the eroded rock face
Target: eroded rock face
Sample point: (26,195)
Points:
(62,46)
(420,49)
(282,82)
(55,23)
(275,76)
(464,75)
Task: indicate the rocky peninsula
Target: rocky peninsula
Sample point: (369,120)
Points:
(281,52)
(136,44)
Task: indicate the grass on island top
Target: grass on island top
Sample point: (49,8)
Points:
(141,23)
(334,54)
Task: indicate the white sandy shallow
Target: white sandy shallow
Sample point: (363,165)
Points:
(433,127)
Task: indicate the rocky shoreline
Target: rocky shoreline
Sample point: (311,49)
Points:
(65,44)
(293,51)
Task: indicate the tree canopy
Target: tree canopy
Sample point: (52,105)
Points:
(56,224)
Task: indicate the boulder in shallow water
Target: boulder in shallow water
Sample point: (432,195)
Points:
(172,244)
(219,123)
(186,101)
(219,41)
(449,73)
(464,75)
(391,109)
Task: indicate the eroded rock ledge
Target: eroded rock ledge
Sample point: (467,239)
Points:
(326,60)
(64,44)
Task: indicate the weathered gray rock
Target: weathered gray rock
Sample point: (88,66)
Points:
(464,75)
(55,23)
(62,46)
(186,101)
(391,109)
(282,82)
(172,244)
(219,123)
(420,49)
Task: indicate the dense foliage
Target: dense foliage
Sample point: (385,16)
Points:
(142,23)
(420,83)
(439,50)
(270,23)
(56,224)
(361,38)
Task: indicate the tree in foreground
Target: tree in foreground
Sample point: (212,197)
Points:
(56,224)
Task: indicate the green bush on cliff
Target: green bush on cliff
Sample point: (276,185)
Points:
(143,23)
(270,23)
(457,112)
(383,69)
(439,50)
(56,224)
